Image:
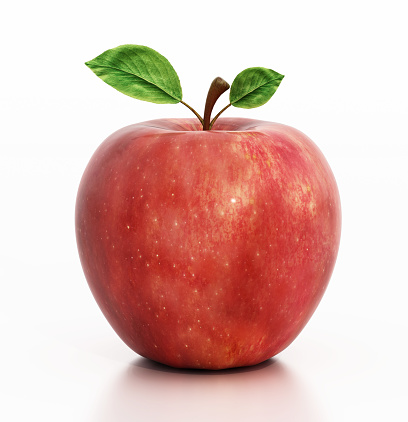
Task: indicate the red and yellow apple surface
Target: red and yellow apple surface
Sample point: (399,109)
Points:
(208,249)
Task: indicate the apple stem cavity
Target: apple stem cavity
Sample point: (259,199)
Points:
(217,88)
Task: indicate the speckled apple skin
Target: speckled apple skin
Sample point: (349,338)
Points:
(208,249)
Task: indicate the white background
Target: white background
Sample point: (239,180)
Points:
(346,87)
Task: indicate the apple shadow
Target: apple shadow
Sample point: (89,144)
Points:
(152,365)
(150,391)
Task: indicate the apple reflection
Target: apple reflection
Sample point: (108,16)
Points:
(149,391)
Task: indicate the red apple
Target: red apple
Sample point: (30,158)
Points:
(208,249)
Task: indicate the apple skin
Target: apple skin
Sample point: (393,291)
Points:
(208,249)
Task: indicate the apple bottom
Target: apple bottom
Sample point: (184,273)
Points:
(226,322)
(208,249)
(182,344)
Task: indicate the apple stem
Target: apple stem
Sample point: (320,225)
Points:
(217,88)
(191,108)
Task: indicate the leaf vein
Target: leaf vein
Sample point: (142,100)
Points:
(257,87)
(140,77)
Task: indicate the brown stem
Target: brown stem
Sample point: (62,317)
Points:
(218,115)
(218,87)
(191,108)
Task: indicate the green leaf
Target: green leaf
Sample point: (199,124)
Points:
(254,87)
(139,72)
